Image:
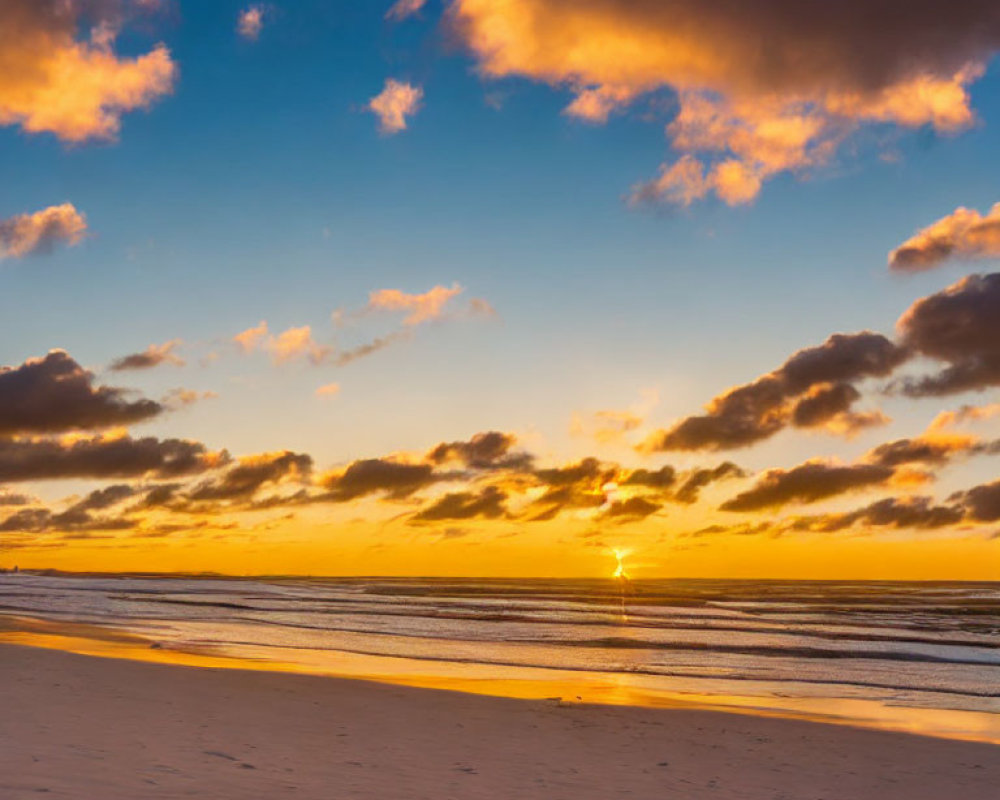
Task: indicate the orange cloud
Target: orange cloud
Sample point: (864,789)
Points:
(328,390)
(963,234)
(296,343)
(249,339)
(394,104)
(76,89)
(753,110)
(250,22)
(38,232)
(422,307)
(949,419)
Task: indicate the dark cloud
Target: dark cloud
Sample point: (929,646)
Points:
(756,411)
(663,478)
(634,508)
(964,234)
(152,356)
(54,393)
(698,479)
(105,498)
(982,503)
(487,503)
(807,483)
(961,326)
(104,457)
(740,529)
(487,450)
(561,498)
(587,469)
(251,473)
(892,512)
(823,403)
(368,476)
(936,450)
(915,512)
(42,520)
(8,498)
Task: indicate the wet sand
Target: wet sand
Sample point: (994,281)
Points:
(76,726)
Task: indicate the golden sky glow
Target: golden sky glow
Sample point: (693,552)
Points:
(500,288)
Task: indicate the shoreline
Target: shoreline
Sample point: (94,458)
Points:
(527,683)
(78,726)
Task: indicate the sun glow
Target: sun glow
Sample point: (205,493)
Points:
(620,573)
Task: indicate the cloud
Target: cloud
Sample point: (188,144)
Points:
(111,456)
(396,479)
(296,343)
(746,111)
(959,325)
(631,509)
(982,503)
(662,478)
(421,308)
(8,498)
(402,9)
(612,425)
(949,419)
(345,357)
(893,512)
(484,451)
(328,390)
(250,339)
(181,398)
(25,234)
(77,89)
(698,479)
(250,473)
(250,22)
(930,448)
(487,503)
(758,410)
(42,520)
(54,393)
(808,483)
(964,234)
(152,356)
(394,104)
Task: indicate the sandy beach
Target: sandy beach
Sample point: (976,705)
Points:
(81,727)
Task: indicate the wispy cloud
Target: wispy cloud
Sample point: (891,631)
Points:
(402,9)
(152,356)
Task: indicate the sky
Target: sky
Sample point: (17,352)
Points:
(467,288)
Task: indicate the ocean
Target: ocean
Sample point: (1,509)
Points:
(912,656)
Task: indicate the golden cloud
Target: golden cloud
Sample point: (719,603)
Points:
(424,307)
(50,81)
(762,87)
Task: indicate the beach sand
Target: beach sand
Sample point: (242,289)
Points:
(104,729)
